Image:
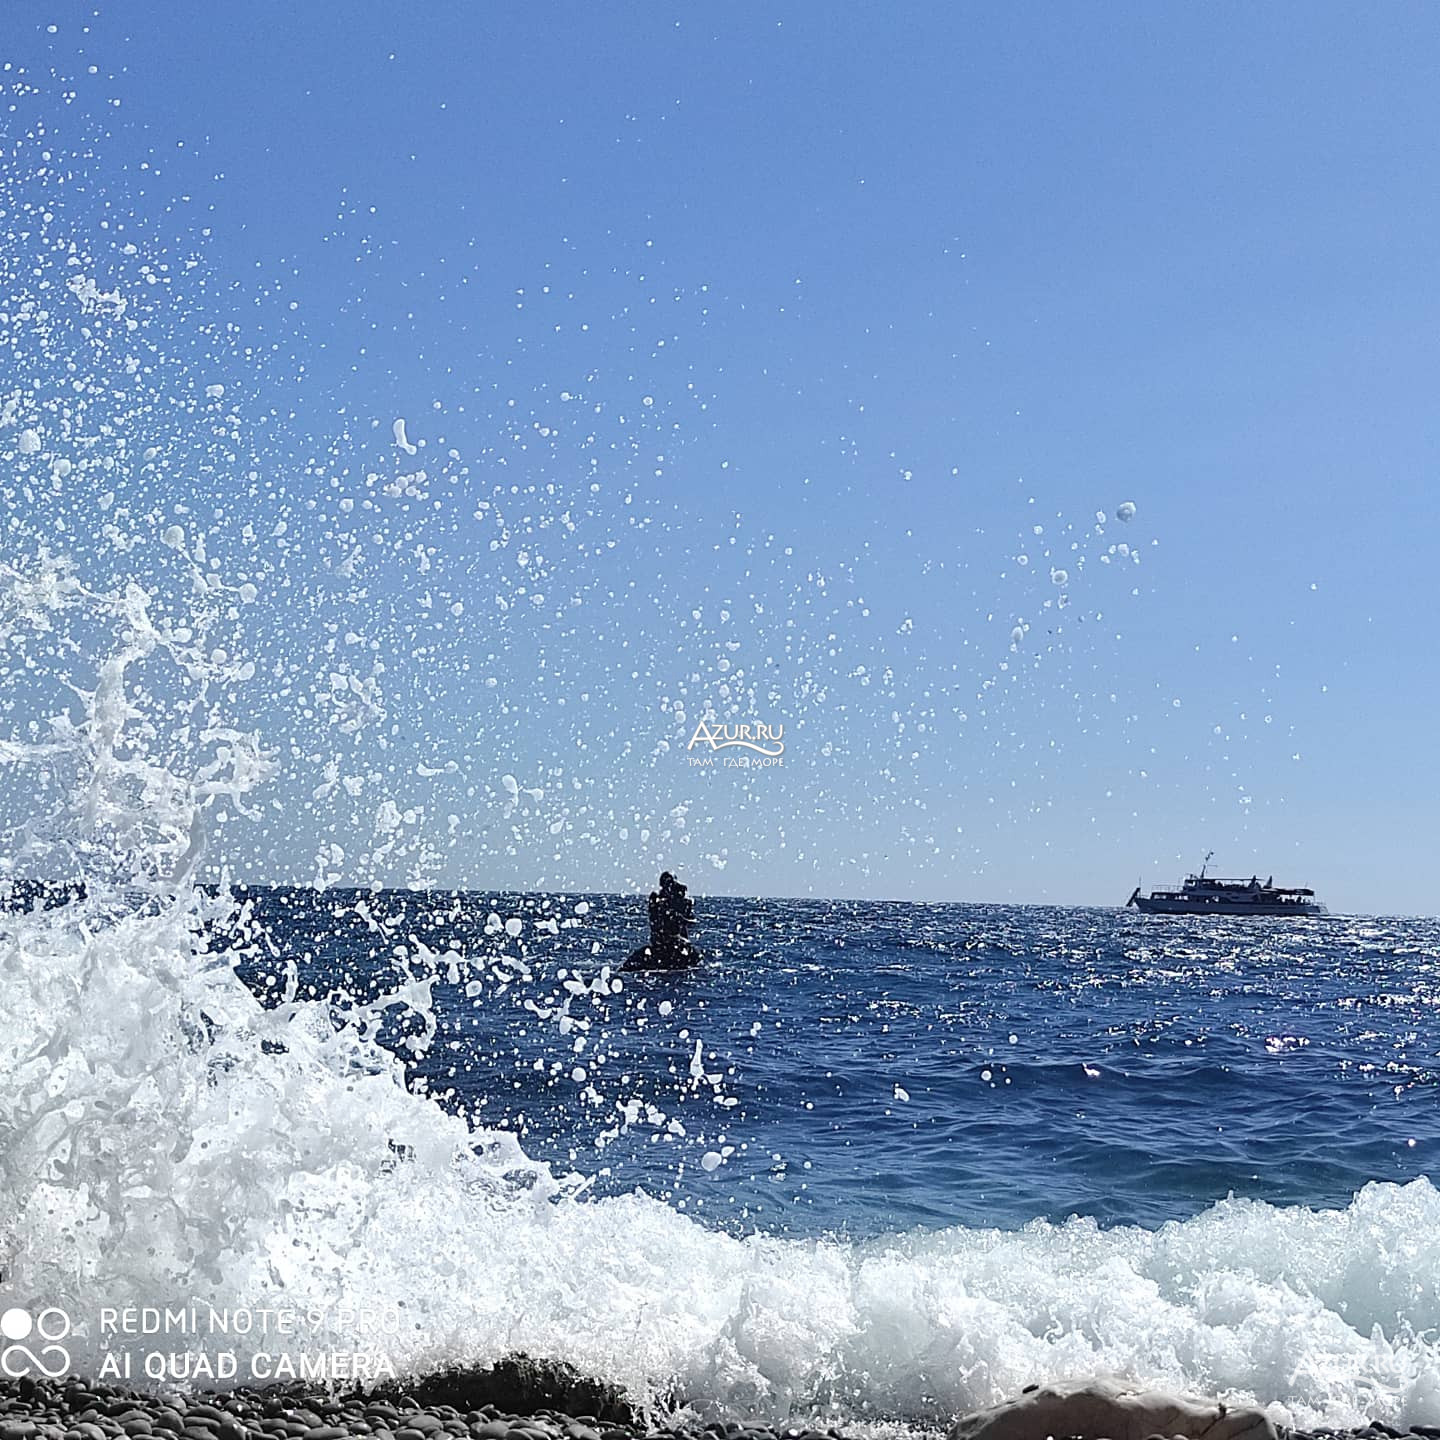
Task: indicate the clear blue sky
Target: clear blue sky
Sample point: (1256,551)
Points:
(863,294)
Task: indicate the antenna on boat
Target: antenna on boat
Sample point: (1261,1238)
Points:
(1209,856)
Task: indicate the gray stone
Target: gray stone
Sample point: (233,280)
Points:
(1106,1410)
(515,1386)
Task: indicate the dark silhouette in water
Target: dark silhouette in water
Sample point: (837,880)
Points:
(672,912)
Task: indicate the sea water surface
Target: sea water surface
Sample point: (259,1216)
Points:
(858,1068)
(882,1160)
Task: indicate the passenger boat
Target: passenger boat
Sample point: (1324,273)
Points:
(1204,894)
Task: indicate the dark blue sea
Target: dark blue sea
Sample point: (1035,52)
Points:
(856,1069)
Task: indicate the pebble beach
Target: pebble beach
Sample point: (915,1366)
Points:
(73,1409)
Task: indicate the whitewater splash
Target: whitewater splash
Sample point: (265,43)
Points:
(167,1142)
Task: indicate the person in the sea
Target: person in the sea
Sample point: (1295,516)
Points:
(672,912)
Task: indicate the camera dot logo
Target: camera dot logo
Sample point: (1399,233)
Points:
(30,1344)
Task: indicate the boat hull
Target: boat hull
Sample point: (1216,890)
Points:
(1204,905)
